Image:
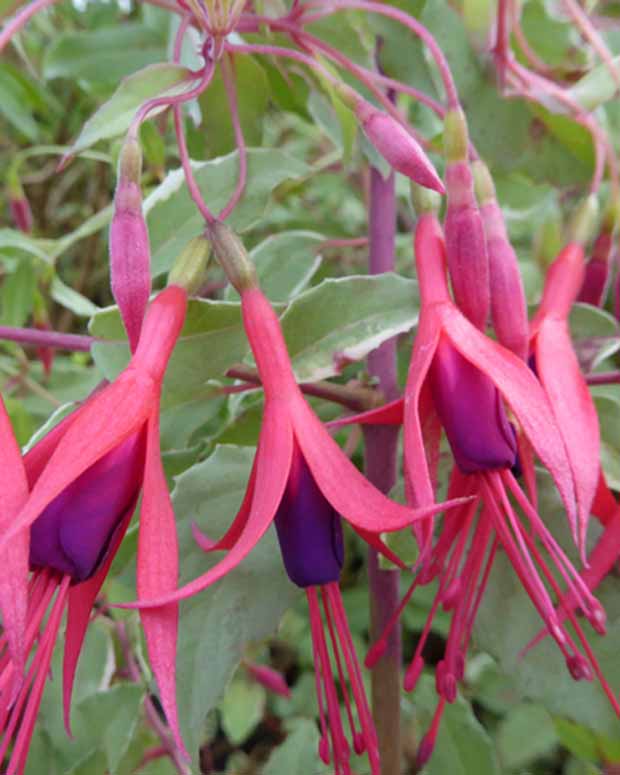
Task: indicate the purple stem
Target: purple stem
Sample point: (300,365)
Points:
(604,378)
(380,464)
(38,338)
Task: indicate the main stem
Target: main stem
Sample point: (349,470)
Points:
(380,463)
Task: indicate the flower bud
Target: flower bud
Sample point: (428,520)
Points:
(21,213)
(465,246)
(130,255)
(508,304)
(189,269)
(232,255)
(271,679)
(595,283)
(402,152)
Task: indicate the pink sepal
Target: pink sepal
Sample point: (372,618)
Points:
(157,576)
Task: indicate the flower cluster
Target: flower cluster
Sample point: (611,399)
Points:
(489,391)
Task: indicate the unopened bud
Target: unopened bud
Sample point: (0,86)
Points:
(508,304)
(465,246)
(232,255)
(397,146)
(455,136)
(583,221)
(130,254)
(189,269)
(19,205)
(271,679)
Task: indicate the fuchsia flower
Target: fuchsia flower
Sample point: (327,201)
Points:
(302,481)
(558,370)
(85,478)
(458,379)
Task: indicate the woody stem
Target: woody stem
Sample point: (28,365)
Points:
(357,399)
(380,465)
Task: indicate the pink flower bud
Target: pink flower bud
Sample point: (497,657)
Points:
(130,255)
(595,282)
(21,213)
(508,305)
(271,679)
(465,246)
(397,146)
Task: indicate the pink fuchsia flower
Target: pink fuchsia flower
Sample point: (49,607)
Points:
(302,480)
(130,253)
(85,478)
(558,370)
(457,380)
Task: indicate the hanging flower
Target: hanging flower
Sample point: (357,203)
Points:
(85,478)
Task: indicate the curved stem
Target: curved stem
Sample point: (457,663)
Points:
(228,76)
(299,56)
(21,18)
(403,18)
(192,185)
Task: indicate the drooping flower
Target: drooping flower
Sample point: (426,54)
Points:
(557,367)
(85,478)
(302,481)
(457,380)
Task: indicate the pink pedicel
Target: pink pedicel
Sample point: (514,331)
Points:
(397,146)
(130,253)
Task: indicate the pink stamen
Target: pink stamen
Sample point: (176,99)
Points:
(413,673)
(315,625)
(368,741)
(427,745)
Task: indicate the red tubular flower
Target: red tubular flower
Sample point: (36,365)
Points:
(302,480)
(558,370)
(457,380)
(85,478)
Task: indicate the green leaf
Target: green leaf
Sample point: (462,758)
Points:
(17,295)
(103,55)
(463,746)
(15,106)
(298,754)
(252,89)
(71,299)
(114,116)
(13,240)
(285,263)
(242,708)
(346,318)
(596,87)
(526,734)
(212,340)
(170,203)
(596,335)
(608,408)
(245,606)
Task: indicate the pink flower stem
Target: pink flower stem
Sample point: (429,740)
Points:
(357,399)
(228,76)
(192,185)
(21,18)
(527,83)
(306,59)
(604,378)
(171,101)
(364,75)
(380,451)
(152,714)
(589,32)
(39,338)
(403,18)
